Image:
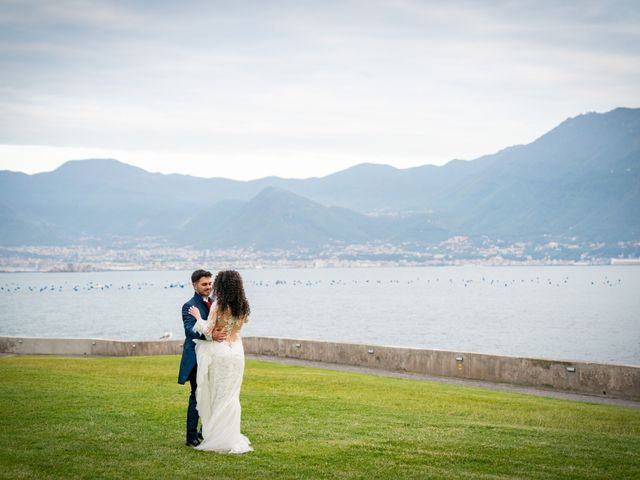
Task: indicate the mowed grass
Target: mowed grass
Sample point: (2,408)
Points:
(124,418)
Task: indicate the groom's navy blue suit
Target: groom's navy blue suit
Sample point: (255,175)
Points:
(188,363)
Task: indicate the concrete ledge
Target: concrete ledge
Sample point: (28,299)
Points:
(87,346)
(618,381)
(462,382)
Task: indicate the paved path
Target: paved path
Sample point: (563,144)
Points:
(503,387)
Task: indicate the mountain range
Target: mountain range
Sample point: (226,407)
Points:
(580,180)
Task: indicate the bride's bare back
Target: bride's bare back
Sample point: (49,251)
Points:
(226,322)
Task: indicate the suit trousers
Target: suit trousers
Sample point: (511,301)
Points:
(192,411)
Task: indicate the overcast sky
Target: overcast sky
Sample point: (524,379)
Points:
(246,89)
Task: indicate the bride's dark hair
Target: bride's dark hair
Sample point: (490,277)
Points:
(229,293)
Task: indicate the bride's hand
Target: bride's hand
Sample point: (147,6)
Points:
(195,312)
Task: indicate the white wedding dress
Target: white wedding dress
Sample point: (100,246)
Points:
(219,378)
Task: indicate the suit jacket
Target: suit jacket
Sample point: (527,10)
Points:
(188,360)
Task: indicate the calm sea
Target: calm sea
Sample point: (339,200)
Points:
(573,313)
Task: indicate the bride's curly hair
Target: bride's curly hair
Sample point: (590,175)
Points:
(229,293)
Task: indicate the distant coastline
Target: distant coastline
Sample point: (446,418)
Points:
(60,267)
(455,251)
(625,261)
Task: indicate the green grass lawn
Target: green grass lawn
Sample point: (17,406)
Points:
(124,418)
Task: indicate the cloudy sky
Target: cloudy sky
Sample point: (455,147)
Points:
(246,89)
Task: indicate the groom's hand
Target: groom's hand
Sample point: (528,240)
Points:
(218,334)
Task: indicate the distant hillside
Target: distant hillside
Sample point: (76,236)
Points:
(580,179)
(276,218)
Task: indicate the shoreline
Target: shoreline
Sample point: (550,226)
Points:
(332,267)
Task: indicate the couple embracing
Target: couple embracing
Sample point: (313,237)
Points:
(213,361)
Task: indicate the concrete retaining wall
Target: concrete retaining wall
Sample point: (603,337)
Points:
(87,346)
(621,381)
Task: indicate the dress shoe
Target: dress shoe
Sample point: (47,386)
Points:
(194,442)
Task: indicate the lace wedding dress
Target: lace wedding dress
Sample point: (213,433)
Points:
(219,378)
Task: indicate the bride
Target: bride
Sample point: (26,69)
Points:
(220,367)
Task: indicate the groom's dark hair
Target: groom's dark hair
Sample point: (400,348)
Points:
(198,274)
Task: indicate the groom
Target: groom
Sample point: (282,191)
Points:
(202,286)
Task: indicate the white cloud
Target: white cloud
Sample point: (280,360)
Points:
(397,82)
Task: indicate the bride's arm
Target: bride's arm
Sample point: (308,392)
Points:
(189,321)
(201,326)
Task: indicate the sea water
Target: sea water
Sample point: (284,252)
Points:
(589,313)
